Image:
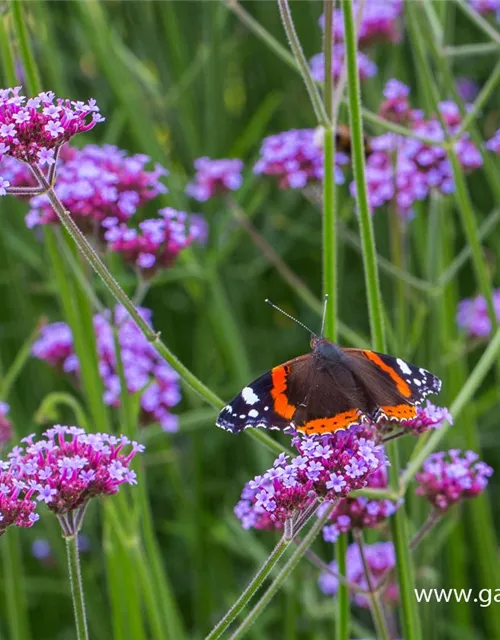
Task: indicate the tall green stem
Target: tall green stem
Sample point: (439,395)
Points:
(283,574)
(375,308)
(75,578)
(251,589)
(330,279)
(312,89)
(373,595)
(398,521)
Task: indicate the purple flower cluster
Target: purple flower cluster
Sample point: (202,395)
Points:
(486,7)
(213,177)
(15,173)
(295,157)
(494,143)
(379,22)
(33,129)
(472,315)
(17,497)
(447,477)
(68,467)
(96,183)
(359,513)
(327,467)
(380,558)
(402,170)
(5,425)
(366,67)
(158,241)
(144,371)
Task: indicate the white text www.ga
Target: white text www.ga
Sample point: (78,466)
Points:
(483,597)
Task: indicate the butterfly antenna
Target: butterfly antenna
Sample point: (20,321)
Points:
(325,305)
(288,315)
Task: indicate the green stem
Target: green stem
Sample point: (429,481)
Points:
(8,65)
(374,597)
(250,590)
(75,578)
(480,22)
(330,275)
(30,68)
(398,521)
(16,614)
(17,366)
(483,96)
(365,220)
(119,294)
(404,564)
(342,618)
(312,89)
(468,50)
(283,574)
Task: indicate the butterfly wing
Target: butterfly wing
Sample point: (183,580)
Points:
(266,402)
(393,387)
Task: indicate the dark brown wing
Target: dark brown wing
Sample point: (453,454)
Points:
(326,398)
(392,386)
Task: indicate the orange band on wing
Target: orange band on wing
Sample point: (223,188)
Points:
(399,411)
(401,385)
(335,423)
(278,393)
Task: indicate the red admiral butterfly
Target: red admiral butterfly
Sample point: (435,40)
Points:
(329,389)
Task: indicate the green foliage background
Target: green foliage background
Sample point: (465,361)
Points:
(178,80)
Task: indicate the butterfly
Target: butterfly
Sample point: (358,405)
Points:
(329,389)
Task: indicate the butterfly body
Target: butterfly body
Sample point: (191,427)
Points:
(329,389)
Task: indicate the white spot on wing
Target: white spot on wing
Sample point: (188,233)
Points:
(403,366)
(249,395)
(417,382)
(227,408)
(253,413)
(242,416)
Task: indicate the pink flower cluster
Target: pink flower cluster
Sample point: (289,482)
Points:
(448,477)
(5,425)
(144,371)
(70,466)
(327,467)
(486,6)
(33,129)
(96,183)
(402,170)
(379,22)
(214,177)
(366,67)
(360,513)
(295,157)
(473,317)
(158,241)
(380,558)
(17,497)
(65,469)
